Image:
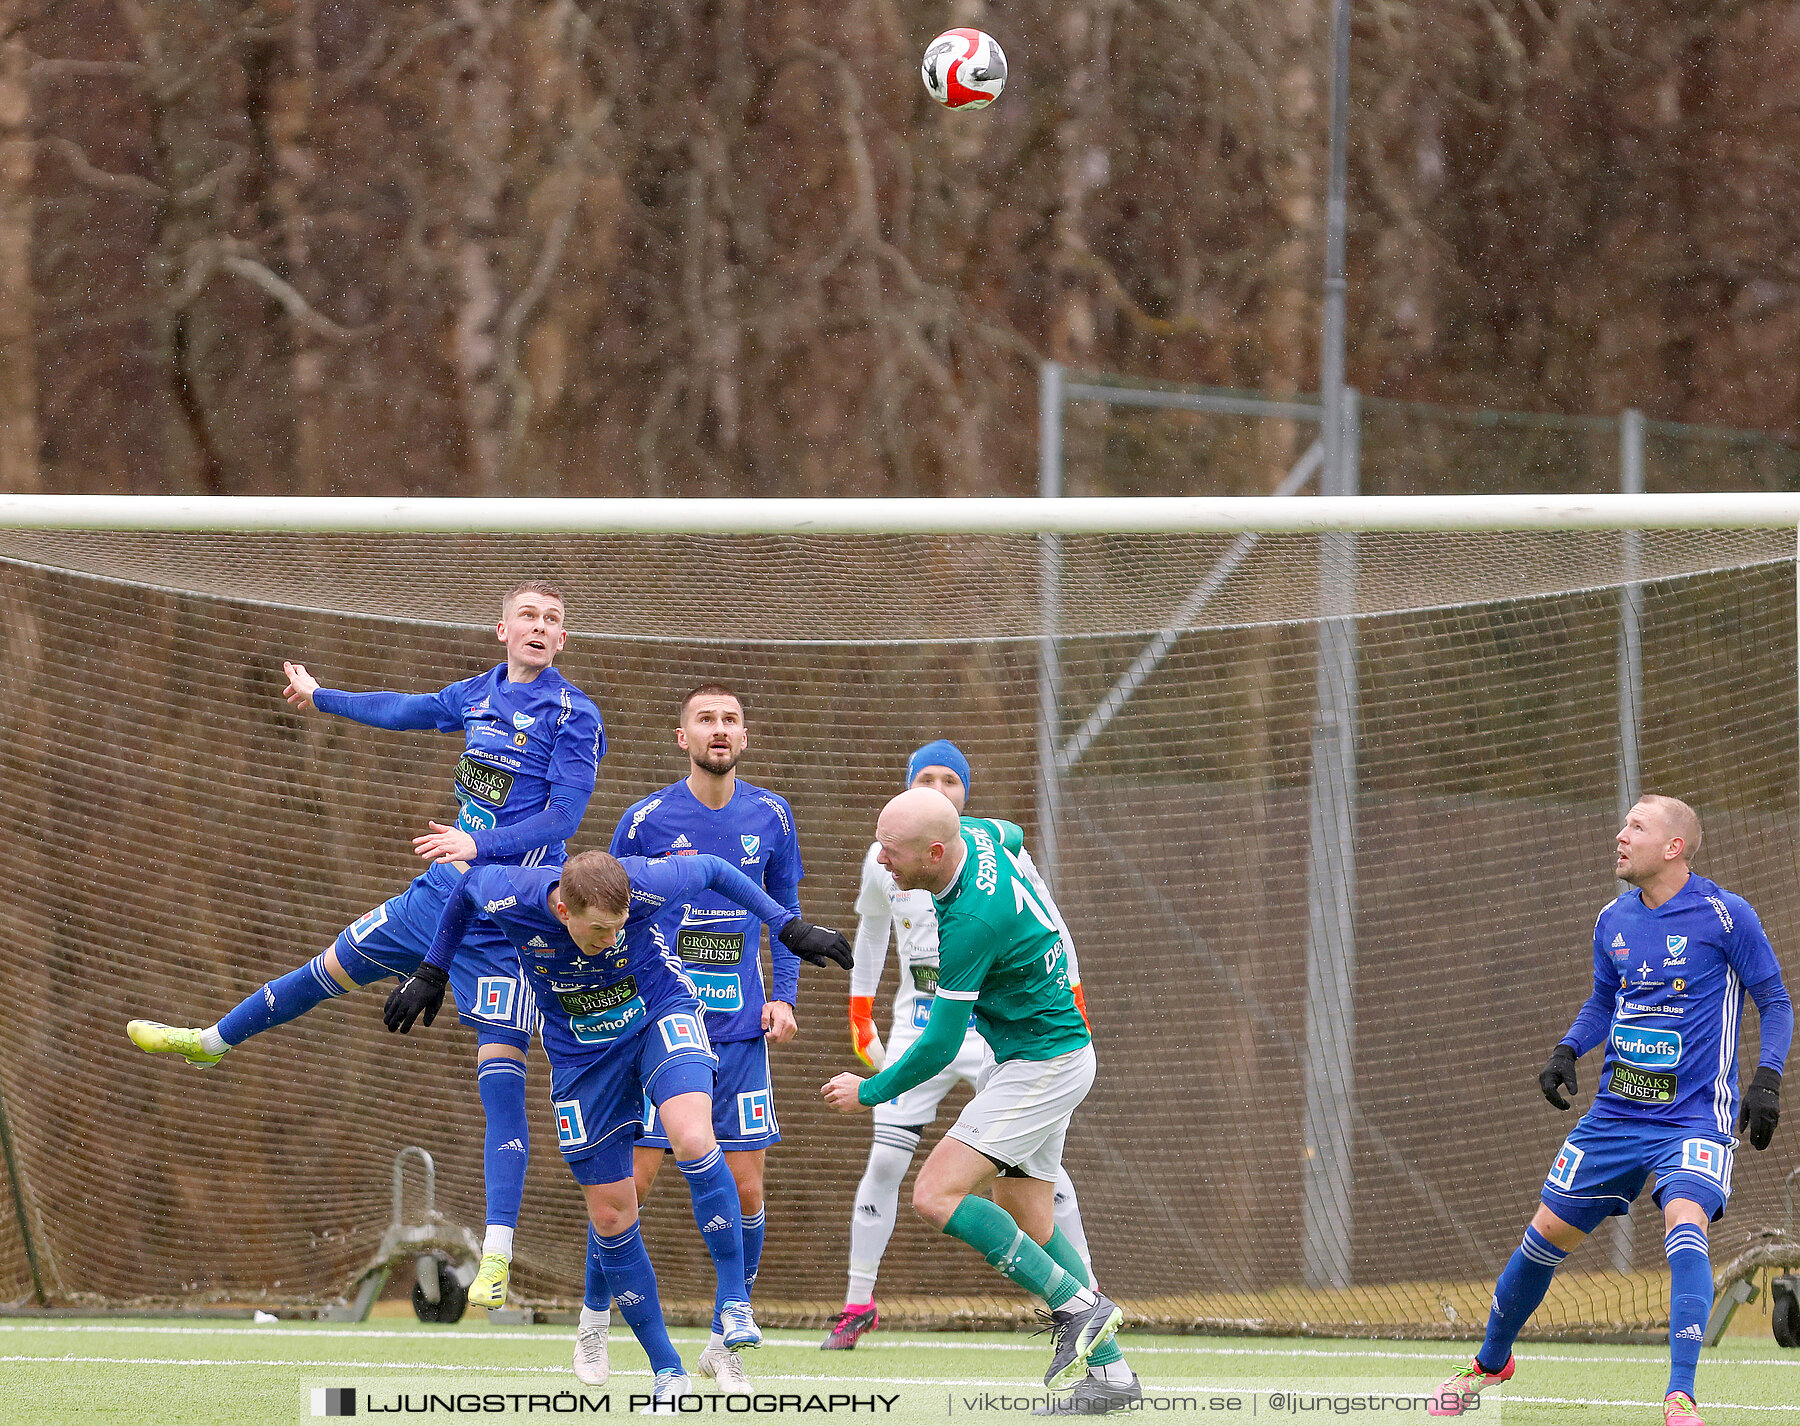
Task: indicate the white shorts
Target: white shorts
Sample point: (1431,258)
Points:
(1020,1114)
(918,1106)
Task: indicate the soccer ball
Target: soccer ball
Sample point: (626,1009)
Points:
(964,69)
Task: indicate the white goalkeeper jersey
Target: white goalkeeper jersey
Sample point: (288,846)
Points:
(882,906)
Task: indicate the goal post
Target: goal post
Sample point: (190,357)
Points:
(1443,680)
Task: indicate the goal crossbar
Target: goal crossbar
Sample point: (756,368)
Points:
(1003,515)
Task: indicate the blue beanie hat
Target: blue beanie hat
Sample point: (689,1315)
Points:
(941,753)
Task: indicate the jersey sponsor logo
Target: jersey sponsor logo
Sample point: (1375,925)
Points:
(987,864)
(1565,1166)
(571,1133)
(1643,1086)
(522,721)
(475,710)
(505,901)
(537,943)
(494,997)
(1647,1049)
(520,740)
(637,817)
(1634,1007)
(480,779)
(649,898)
(922,1012)
(476,818)
(925,979)
(719,991)
(1678,986)
(756,1115)
(774,805)
(1703,1156)
(681,1032)
(580,1000)
(368,921)
(1723,911)
(750,844)
(1643,977)
(716,948)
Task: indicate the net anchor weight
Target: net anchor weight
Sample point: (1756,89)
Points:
(1775,1249)
(444,1256)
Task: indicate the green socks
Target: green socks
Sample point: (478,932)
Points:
(1062,1251)
(991,1231)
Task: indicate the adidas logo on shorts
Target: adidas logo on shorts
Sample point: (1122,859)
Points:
(718,1225)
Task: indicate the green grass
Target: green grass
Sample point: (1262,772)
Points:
(198,1373)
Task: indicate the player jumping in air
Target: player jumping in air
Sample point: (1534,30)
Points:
(712,810)
(622,1024)
(881,904)
(532,744)
(1672,959)
(1001,955)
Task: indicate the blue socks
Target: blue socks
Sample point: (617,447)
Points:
(597,1292)
(721,1223)
(626,1266)
(753,1241)
(280,1001)
(1523,1282)
(507,1147)
(1690,1301)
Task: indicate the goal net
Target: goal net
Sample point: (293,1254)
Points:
(1332,819)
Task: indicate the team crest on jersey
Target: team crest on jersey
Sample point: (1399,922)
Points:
(750,844)
(1677,951)
(522,721)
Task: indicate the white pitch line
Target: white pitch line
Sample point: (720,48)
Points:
(1164,1389)
(500,1334)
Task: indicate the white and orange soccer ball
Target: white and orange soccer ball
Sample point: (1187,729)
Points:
(964,69)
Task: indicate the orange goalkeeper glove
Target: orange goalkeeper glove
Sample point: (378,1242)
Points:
(862,1032)
(1081,1005)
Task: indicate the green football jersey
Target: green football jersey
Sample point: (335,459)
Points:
(998,946)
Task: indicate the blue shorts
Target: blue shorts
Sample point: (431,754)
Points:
(1601,1169)
(491,994)
(743,1102)
(599,1102)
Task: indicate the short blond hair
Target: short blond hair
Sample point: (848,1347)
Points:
(1679,820)
(540,587)
(595,879)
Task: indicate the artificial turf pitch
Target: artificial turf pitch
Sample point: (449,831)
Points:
(198,1373)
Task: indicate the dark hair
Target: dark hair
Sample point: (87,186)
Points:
(715,690)
(532,586)
(595,879)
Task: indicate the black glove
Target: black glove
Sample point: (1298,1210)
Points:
(817,945)
(1560,1071)
(1762,1107)
(423,990)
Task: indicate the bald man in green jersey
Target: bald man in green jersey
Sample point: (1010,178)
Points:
(999,953)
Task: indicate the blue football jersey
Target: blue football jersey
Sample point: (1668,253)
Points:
(519,739)
(1678,975)
(592,1003)
(721,943)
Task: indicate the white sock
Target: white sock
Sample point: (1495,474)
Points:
(499,1240)
(1113,1373)
(714,1339)
(595,1318)
(1083,1298)
(1068,1217)
(212,1041)
(872,1220)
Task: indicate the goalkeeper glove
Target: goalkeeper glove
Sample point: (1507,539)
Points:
(1560,1071)
(816,945)
(422,992)
(1762,1107)
(862,1032)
